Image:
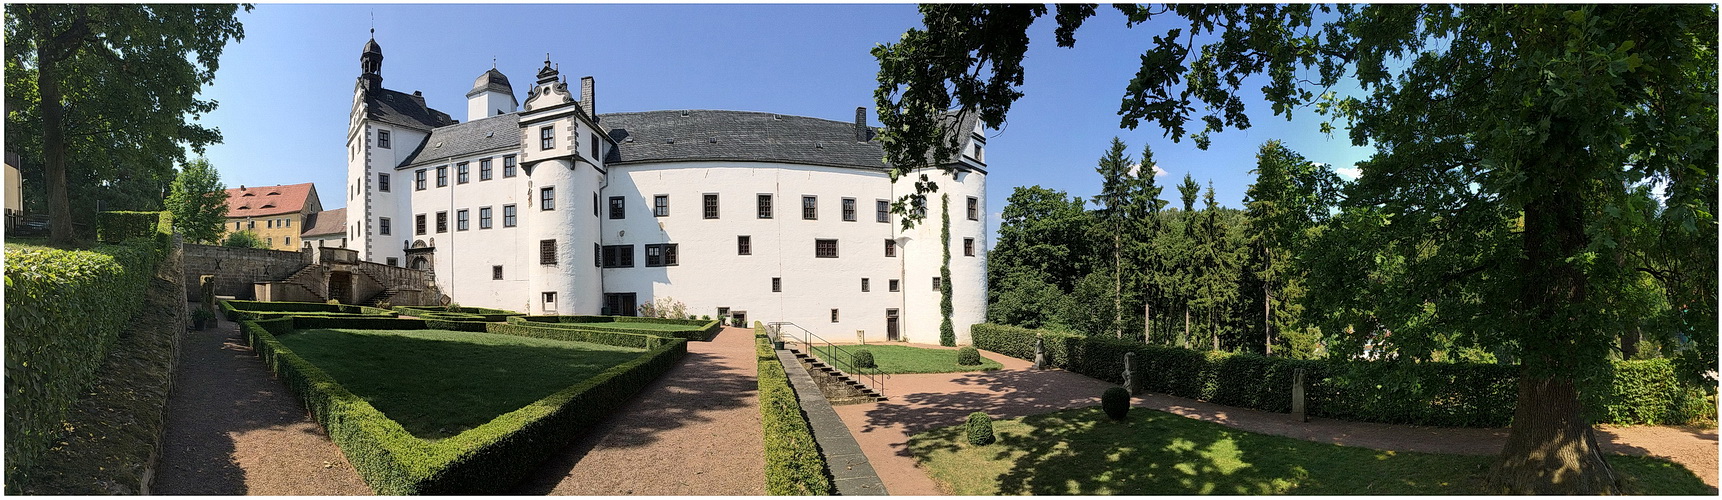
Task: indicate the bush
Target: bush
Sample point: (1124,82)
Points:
(556,332)
(968,356)
(1115,402)
(1398,392)
(864,359)
(793,464)
(700,330)
(115,227)
(64,310)
(488,459)
(980,427)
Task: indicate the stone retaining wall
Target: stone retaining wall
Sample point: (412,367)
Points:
(235,269)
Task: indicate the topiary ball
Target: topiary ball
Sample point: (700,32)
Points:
(980,427)
(1116,402)
(864,359)
(968,356)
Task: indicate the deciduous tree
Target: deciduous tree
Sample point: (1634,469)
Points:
(110,81)
(198,201)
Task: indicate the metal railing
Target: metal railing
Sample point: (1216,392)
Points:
(837,356)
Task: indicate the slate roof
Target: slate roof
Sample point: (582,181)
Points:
(400,108)
(258,201)
(500,131)
(325,222)
(696,135)
(491,80)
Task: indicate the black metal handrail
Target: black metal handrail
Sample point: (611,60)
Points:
(842,359)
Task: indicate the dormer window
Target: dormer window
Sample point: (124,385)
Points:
(249,194)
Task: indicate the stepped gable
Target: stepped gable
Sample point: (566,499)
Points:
(465,139)
(709,135)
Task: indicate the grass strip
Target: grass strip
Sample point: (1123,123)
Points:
(907,359)
(1082,452)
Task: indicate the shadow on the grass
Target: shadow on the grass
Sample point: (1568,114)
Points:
(687,395)
(1008,393)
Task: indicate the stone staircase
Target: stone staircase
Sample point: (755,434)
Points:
(839,388)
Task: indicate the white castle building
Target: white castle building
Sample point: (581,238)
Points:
(547,207)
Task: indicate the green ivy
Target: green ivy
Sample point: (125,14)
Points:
(947,334)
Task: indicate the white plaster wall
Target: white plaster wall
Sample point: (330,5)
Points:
(488,104)
(463,259)
(711,274)
(372,245)
(923,256)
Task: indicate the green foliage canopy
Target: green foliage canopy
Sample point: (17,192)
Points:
(198,201)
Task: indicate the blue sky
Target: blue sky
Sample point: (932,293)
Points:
(286,90)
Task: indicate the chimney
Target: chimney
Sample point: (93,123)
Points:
(419,96)
(861,124)
(587,95)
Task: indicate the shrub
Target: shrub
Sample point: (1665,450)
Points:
(64,310)
(793,464)
(559,332)
(1115,402)
(864,359)
(1400,392)
(968,356)
(980,427)
(487,459)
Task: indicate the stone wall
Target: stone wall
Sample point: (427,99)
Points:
(235,269)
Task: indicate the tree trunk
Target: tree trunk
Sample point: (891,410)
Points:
(1267,320)
(1118,285)
(53,144)
(1147,321)
(1551,449)
(1629,342)
(1186,326)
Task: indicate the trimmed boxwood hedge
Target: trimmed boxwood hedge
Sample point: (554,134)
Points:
(548,331)
(480,314)
(64,310)
(700,330)
(235,310)
(793,464)
(1399,392)
(488,459)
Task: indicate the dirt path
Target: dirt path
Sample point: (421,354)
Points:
(233,429)
(921,402)
(695,431)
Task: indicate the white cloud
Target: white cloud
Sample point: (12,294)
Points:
(1349,173)
(1158,172)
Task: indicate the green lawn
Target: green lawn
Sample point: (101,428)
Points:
(906,359)
(438,383)
(1081,452)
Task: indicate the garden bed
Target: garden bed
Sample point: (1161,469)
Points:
(1081,452)
(487,459)
(895,359)
(691,329)
(237,310)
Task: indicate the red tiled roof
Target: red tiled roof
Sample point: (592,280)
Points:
(257,201)
(325,222)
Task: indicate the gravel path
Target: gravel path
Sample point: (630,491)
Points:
(921,402)
(233,429)
(695,431)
